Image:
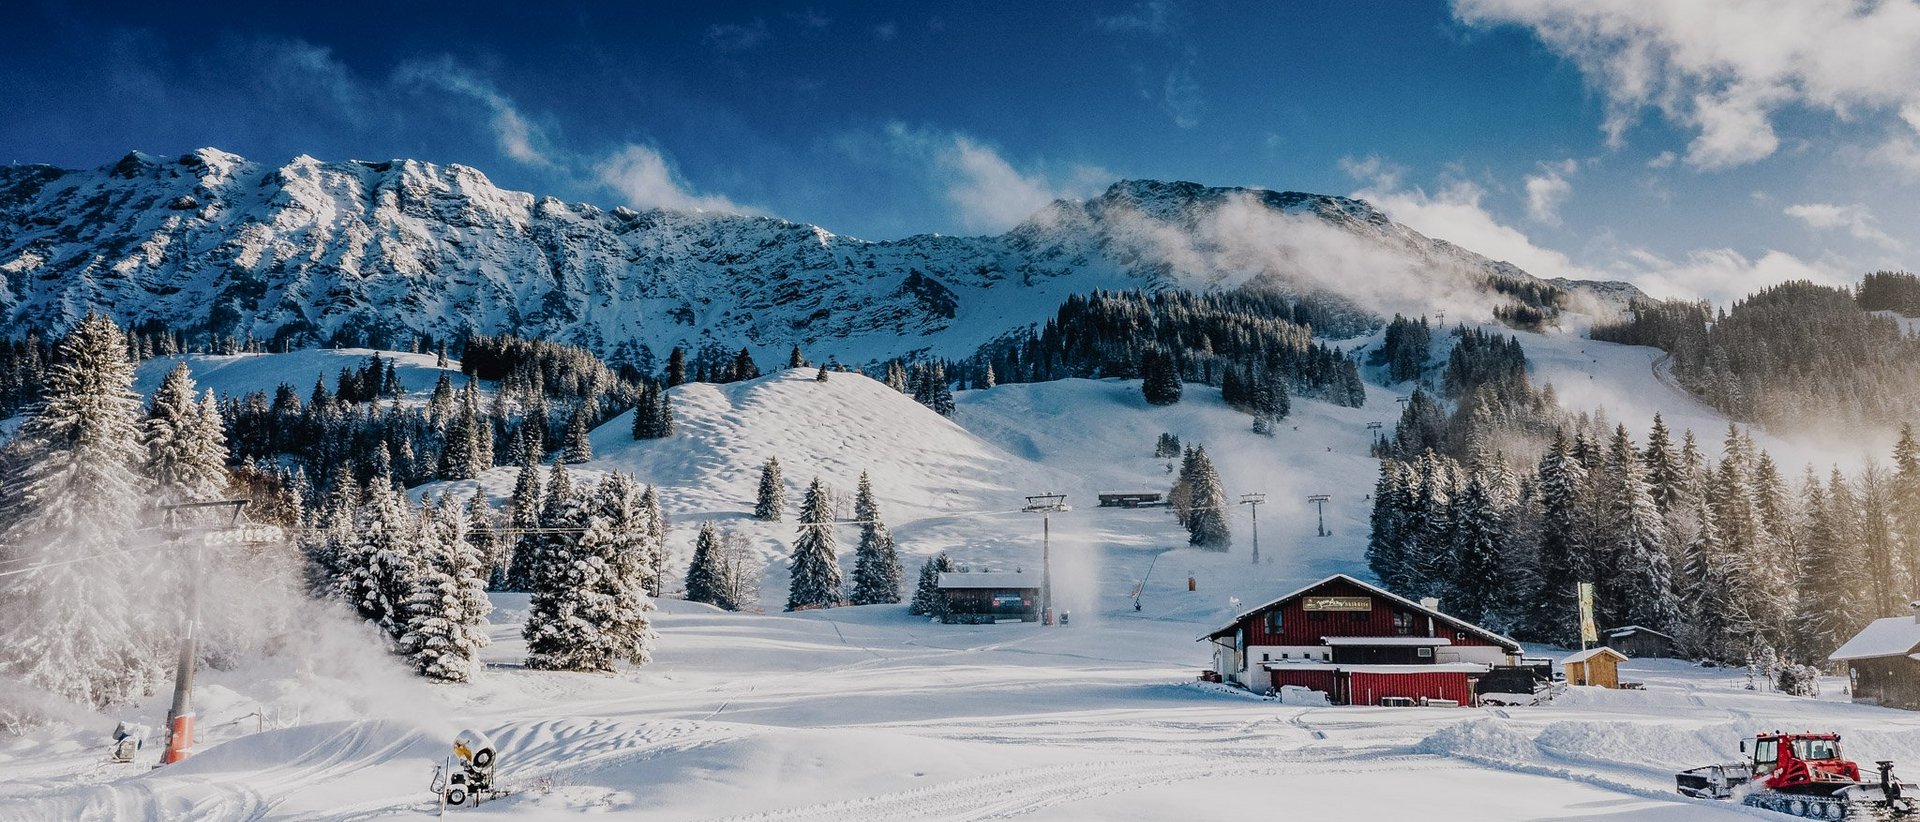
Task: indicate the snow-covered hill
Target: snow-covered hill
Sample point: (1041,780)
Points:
(375,252)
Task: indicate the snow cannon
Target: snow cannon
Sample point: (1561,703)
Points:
(1803,775)
(128,739)
(468,777)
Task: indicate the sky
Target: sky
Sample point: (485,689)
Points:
(1699,149)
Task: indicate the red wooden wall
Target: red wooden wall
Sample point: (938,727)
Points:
(1298,627)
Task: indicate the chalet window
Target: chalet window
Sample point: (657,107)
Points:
(1402,623)
(1267,658)
(1283,656)
(1273,621)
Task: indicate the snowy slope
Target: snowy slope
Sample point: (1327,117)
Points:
(375,252)
(235,375)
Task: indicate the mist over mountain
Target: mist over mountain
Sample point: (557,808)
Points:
(378,253)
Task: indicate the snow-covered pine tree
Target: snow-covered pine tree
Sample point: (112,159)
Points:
(186,453)
(523,516)
(821,375)
(578,448)
(558,639)
(989,380)
(1905,499)
(1564,556)
(816,562)
(1180,496)
(663,414)
(896,376)
(744,367)
(771,503)
(1386,555)
(795,359)
(1160,378)
(1167,447)
(71,489)
(447,612)
(927,600)
(646,413)
(876,567)
(440,402)
(677,367)
(381,583)
(1479,539)
(656,526)
(707,575)
(484,538)
(1207,522)
(940,391)
(1644,585)
(617,556)
(460,456)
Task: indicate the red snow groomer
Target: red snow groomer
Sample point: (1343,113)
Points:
(1803,775)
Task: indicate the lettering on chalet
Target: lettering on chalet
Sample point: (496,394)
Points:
(1361,645)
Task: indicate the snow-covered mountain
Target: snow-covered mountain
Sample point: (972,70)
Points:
(376,252)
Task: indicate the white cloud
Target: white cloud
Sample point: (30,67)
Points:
(986,191)
(1454,212)
(1724,69)
(1548,189)
(641,175)
(1664,159)
(1857,220)
(1180,96)
(516,136)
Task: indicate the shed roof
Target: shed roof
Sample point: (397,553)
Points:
(1504,642)
(1591,653)
(1893,636)
(1629,630)
(989,579)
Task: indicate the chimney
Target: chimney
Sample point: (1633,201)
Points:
(1433,604)
(1915,605)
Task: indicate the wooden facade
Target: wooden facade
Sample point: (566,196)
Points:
(1296,625)
(1890,681)
(1598,667)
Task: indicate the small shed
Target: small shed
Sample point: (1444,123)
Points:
(1599,667)
(1884,661)
(1641,642)
(986,597)
(1136,499)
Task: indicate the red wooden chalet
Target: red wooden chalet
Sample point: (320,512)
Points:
(1359,644)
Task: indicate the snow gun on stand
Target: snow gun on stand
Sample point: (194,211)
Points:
(1804,775)
(468,776)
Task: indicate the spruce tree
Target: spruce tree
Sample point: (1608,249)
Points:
(771,504)
(1564,558)
(558,637)
(523,517)
(186,450)
(578,448)
(743,366)
(484,538)
(447,612)
(646,413)
(1386,555)
(655,523)
(1207,521)
(876,568)
(821,375)
(380,585)
(1644,585)
(1477,579)
(707,575)
(927,600)
(663,414)
(795,359)
(677,367)
(816,564)
(1160,378)
(70,489)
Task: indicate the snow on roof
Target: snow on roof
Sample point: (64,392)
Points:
(1437,668)
(1403,602)
(1591,653)
(1385,640)
(1893,636)
(989,579)
(1626,630)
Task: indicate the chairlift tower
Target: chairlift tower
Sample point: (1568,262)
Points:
(1046,505)
(1254,500)
(192,552)
(1320,502)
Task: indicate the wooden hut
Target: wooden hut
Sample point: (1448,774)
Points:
(1599,667)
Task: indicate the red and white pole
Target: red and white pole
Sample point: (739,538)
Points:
(180,716)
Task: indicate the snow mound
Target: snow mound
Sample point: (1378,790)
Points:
(1481,740)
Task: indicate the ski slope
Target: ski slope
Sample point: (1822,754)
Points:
(869,714)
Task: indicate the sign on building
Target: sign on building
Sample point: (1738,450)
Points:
(1337,603)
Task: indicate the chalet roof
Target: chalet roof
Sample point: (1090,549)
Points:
(1893,636)
(1591,653)
(1627,630)
(1375,590)
(988,579)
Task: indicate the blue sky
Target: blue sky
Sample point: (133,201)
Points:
(1700,148)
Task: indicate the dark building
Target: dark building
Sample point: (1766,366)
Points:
(986,597)
(1883,661)
(1359,644)
(1640,642)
